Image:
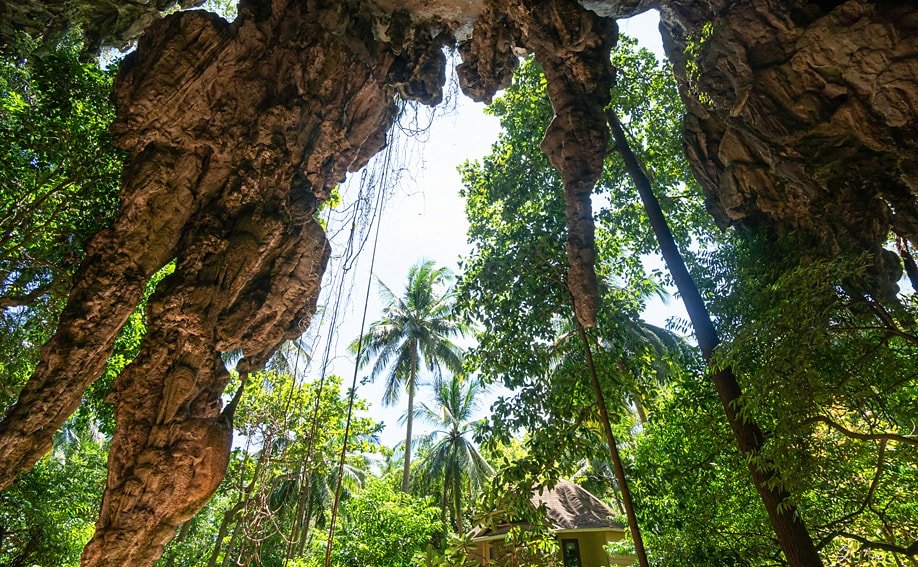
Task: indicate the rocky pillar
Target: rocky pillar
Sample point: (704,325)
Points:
(235,134)
(573,46)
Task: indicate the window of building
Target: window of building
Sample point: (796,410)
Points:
(570,550)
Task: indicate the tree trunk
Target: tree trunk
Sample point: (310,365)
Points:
(613,452)
(444,502)
(406,471)
(457,500)
(221,532)
(792,534)
(911,268)
(307,523)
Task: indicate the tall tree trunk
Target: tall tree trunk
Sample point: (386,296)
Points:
(406,471)
(618,501)
(444,502)
(792,534)
(306,526)
(911,268)
(221,532)
(613,452)
(636,394)
(457,501)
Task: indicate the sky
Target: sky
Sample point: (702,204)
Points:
(423,217)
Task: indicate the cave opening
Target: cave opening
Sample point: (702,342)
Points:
(236,134)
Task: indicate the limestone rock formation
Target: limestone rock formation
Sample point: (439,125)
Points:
(804,116)
(572,44)
(112,23)
(235,134)
(801,116)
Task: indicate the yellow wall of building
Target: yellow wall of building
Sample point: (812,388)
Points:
(592,552)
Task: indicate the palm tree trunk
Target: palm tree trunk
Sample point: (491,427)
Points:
(307,523)
(793,535)
(636,394)
(228,517)
(406,472)
(444,502)
(618,500)
(457,500)
(613,452)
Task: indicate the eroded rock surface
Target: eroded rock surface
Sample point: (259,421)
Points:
(236,133)
(804,116)
(115,23)
(572,44)
(801,116)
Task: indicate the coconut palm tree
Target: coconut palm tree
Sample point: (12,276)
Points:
(414,333)
(453,459)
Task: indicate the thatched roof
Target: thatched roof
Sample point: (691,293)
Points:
(572,507)
(568,506)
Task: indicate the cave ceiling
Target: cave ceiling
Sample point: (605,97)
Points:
(801,116)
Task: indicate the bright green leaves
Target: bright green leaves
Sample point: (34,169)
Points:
(58,185)
(383,527)
(282,474)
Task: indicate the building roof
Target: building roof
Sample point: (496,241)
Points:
(568,506)
(572,507)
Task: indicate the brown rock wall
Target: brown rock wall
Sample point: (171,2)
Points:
(804,117)
(235,134)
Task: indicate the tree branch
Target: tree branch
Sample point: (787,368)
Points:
(28,298)
(911,550)
(862,436)
(881,454)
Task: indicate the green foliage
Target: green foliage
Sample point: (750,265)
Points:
(514,280)
(830,370)
(452,467)
(696,504)
(384,527)
(282,474)
(415,333)
(58,185)
(48,516)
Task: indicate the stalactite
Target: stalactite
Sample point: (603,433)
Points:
(573,46)
(236,133)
